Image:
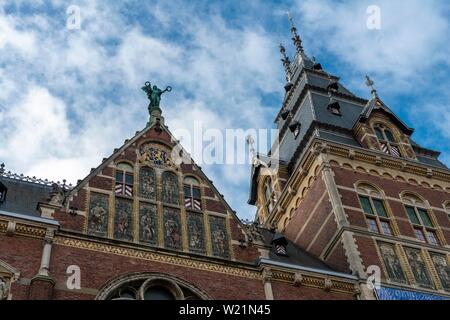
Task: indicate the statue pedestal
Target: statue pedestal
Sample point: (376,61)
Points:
(155,116)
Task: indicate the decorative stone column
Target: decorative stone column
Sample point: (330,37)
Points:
(267,281)
(41,286)
(349,243)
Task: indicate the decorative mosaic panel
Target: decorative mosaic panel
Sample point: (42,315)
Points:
(219,237)
(440,263)
(196,232)
(123,221)
(148,223)
(418,267)
(172,228)
(392,263)
(147,183)
(170,190)
(98,215)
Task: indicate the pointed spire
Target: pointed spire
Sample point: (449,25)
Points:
(295,37)
(370,84)
(287,68)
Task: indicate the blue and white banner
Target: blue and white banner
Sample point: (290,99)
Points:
(385,293)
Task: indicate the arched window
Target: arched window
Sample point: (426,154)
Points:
(269,195)
(374,209)
(124,179)
(147,183)
(150,286)
(170,188)
(418,215)
(387,141)
(192,194)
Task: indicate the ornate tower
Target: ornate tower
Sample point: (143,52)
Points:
(353,189)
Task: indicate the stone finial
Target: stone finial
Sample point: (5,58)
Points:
(295,37)
(287,67)
(370,84)
(2,168)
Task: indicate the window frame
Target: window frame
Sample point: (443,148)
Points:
(192,186)
(418,207)
(269,201)
(375,216)
(385,141)
(123,181)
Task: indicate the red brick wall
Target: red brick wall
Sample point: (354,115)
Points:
(70,222)
(313,226)
(21,253)
(284,291)
(392,189)
(98,269)
(337,259)
(368,251)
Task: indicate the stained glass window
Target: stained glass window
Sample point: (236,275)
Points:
(170,188)
(172,228)
(98,214)
(148,223)
(372,225)
(123,226)
(432,238)
(419,234)
(147,183)
(219,237)
(196,232)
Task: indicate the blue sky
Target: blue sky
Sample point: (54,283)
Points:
(69,97)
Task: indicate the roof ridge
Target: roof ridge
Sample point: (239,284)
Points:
(34,179)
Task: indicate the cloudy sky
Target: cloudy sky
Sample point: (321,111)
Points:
(69,97)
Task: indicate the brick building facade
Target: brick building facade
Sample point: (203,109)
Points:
(344,190)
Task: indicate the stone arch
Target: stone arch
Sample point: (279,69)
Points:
(179,288)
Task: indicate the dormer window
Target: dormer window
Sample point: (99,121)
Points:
(295,128)
(334,86)
(335,108)
(317,66)
(280,244)
(387,141)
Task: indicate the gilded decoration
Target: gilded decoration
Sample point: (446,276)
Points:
(172,228)
(148,223)
(98,214)
(152,154)
(418,268)
(392,263)
(196,232)
(219,237)
(123,226)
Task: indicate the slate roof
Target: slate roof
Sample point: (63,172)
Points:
(295,254)
(22,197)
